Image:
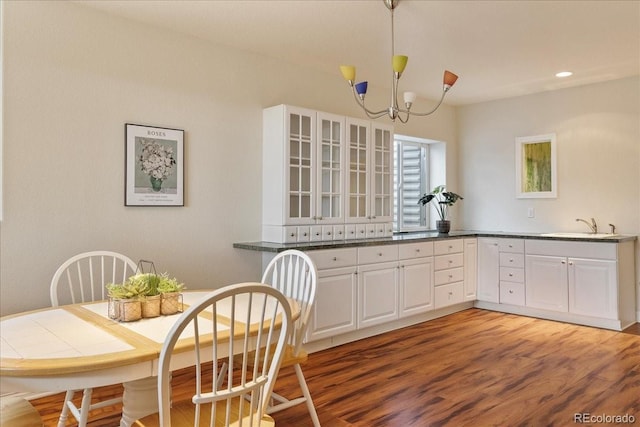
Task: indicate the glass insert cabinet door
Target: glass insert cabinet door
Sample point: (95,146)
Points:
(330,179)
(301,159)
(358,170)
(382,191)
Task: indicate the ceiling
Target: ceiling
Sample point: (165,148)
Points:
(499,49)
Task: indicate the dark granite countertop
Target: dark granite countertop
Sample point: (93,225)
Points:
(414,237)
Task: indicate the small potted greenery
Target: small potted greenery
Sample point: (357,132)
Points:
(442,201)
(124,300)
(150,296)
(170,294)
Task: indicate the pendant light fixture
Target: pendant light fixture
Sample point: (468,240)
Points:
(398,63)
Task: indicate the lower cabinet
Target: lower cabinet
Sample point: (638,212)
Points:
(335,306)
(334,312)
(547,285)
(416,286)
(377,293)
(372,285)
(580,286)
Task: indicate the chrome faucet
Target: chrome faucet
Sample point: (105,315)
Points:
(593,226)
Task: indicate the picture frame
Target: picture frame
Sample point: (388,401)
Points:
(536,166)
(154,166)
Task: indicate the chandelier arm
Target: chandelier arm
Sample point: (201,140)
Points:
(406,119)
(413,113)
(370,114)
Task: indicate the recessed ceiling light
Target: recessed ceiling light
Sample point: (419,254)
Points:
(564,74)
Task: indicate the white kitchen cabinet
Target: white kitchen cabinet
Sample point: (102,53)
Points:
(593,287)
(449,272)
(470,269)
(591,282)
(303,173)
(416,278)
(488,270)
(335,308)
(546,282)
(369,177)
(501,270)
(377,285)
(322,170)
(511,260)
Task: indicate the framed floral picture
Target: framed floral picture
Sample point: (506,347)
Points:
(154,166)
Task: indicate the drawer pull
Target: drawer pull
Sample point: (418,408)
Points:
(292,234)
(510,274)
(335,258)
(451,276)
(510,291)
(379,253)
(417,250)
(510,259)
(328,233)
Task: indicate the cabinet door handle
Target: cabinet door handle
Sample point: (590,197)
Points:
(510,291)
(570,262)
(510,259)
(510,274)
(563,262)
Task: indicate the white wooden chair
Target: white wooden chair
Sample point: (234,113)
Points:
(294,274)
(241,398)
(18,412)
(82,278)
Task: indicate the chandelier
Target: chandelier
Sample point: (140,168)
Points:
(398,63)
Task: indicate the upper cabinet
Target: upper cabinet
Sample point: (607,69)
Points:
(370,172)
(321,172)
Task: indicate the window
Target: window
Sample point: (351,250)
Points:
(411,175)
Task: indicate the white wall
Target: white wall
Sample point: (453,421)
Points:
(73,77)
(598,152)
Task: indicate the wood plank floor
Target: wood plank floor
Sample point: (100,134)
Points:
(474,367)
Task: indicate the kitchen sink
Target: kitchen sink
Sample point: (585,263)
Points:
(581,235)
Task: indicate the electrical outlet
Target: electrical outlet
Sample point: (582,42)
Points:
(531,213)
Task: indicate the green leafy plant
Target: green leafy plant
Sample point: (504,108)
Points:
(126,290)
(167,284)
(442,199)
(144,285)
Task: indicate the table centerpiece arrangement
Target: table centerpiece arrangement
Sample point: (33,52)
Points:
(144,295)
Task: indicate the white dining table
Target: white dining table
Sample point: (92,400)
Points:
(78,346)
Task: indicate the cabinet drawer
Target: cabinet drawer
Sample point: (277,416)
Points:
(415,250)
(334,258)
(448,294)
(512,260)
(511,293)
(443,247)
(448,261)
(512,274)
(375,254)
(511,245)
(448,276)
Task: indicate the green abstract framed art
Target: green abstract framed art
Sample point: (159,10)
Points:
(536,166)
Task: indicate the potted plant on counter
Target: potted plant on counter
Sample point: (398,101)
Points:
(442,200)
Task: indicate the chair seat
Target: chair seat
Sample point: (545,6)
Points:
(289,358)
(183,414)
(18,412)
